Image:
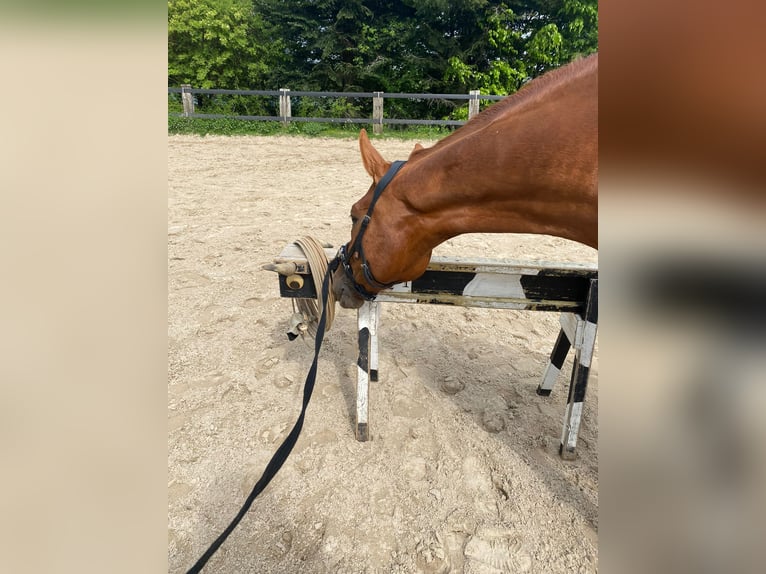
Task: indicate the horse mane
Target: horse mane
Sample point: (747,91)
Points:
(530,92)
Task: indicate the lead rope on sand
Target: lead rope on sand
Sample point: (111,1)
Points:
(312,249)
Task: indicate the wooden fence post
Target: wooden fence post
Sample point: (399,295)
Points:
(377,113)
(285,110)
(187,99)
(473,103)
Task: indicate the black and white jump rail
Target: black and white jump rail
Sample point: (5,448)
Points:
(568,288)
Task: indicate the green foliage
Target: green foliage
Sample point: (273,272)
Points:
(545,47)
(579,25)
(344,108)
(523,41)
(232,127)
(174,104)
(217,44)
(327,107)
(220,126)
(416,46)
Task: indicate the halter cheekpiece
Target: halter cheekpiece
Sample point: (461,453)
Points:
(344,255)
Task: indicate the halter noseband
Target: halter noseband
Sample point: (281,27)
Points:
(344,255)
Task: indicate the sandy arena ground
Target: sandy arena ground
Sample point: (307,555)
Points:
(467,481)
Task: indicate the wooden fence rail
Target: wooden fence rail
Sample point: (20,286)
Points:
(378,120)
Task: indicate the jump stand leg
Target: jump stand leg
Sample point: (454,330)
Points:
(553,370)
(367,324)
(374,322)
(584,345)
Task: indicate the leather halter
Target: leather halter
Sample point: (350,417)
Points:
(345,255)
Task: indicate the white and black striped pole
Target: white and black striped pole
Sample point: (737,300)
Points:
(555,363)
(366,364)
(580,372)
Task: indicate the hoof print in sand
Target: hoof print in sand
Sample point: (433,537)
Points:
(451,385)
(432,556)
(492,421)
(493,551)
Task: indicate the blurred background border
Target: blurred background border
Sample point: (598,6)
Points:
(83,254)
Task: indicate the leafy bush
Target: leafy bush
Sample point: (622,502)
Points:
(230,126)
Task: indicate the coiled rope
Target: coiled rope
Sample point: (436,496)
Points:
(311,309)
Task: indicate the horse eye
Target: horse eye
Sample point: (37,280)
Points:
(354,220)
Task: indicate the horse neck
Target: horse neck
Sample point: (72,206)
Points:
(541,177)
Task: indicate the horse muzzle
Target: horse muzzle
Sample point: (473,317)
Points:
(344,291)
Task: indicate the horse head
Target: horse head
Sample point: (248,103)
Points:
(383,231)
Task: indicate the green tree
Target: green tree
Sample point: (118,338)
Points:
(219,44)
(578,20)
(429,46)
(493,66)
(523,39)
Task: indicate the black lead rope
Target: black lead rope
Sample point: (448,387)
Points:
(287,445)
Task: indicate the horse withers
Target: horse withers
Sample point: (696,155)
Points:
(528,164)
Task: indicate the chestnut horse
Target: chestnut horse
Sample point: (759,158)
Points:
(528,164)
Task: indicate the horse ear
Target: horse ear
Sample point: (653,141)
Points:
(373,162)
(418,148)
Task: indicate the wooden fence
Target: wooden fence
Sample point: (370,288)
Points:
(285,109)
